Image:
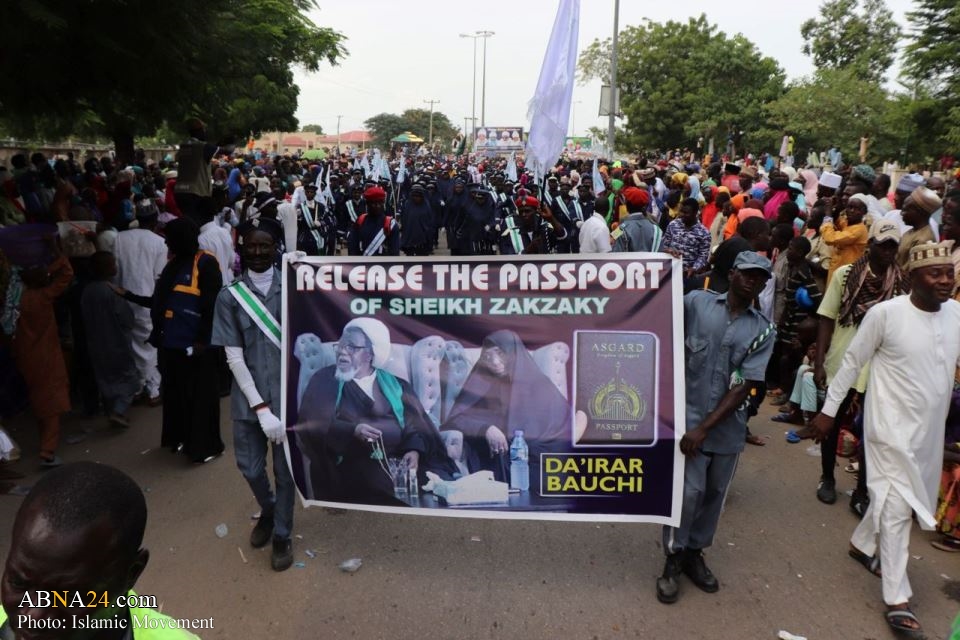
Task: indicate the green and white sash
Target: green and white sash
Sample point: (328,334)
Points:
(260,315)
(514,234)
(351,211)
(374,247)
(312,226)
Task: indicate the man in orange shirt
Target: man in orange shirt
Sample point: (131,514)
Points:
(849,237)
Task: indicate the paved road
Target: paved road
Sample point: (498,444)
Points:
(780,556)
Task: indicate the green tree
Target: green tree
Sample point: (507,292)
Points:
(679,81)
(833,107)
(312,128)
(934,56)
(385,126)
(854,34)
(418,122)
(108,84)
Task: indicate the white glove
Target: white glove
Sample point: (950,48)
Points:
(579,223)
(271,425)
(297,256)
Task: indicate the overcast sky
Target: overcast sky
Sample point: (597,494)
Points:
(404,52)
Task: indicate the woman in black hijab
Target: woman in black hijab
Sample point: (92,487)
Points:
(473,232)
(182,312)
(455,211)
(506,392)
(417,220)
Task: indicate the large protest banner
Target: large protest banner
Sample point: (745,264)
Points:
(392,364)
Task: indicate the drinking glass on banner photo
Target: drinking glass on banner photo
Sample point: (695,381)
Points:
(399,474)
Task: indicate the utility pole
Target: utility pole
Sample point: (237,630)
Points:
(612,124)
(338,133)
(431,103)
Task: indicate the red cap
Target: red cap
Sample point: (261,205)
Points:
(527,201)
(375,194)
(636,197)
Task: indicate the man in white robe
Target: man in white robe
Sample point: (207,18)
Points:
(141,255)
(219,242)
(913,346)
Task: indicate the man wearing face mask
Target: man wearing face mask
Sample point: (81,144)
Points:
(246,323)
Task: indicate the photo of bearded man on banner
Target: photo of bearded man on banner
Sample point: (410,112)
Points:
(355,416)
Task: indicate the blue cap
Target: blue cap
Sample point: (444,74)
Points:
(752,260)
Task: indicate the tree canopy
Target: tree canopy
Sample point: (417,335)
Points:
(385,126)
(312,128)
(853,34)
(111,67)
(933,58)
(830,108)
(680,81)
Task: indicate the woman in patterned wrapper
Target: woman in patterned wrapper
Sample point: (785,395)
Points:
(506,392)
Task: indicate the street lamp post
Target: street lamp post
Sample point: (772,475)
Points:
(483,84)
(473,112)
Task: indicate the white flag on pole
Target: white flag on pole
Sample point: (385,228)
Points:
(598,186)
(549,110)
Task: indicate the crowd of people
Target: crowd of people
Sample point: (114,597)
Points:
(160,281)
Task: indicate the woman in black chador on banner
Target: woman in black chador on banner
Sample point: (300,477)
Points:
(506,392)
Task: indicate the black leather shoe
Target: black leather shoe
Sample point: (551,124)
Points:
(282,557)
(261,533)
(696,569)
(667,588)
(827,491)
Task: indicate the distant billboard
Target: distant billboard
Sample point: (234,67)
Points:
(578,144)
(499,139)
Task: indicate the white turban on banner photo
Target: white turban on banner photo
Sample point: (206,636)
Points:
(549,110)
(379,336)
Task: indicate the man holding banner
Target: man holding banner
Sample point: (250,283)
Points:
(246,325)
(727,345)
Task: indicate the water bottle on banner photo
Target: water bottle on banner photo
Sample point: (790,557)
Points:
(519,463)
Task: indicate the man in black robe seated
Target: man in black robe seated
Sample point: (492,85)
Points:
(355,416)
(507,391)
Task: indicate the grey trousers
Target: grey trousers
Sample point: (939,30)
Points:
(251,449)
(706,480)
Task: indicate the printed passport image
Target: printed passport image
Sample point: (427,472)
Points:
(615,388)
